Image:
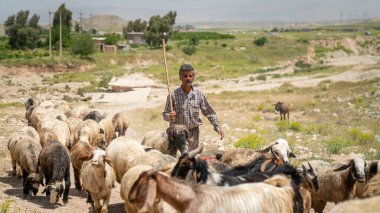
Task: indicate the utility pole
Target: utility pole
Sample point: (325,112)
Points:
(50,35)
(91,28)
(60,34)
(81,22)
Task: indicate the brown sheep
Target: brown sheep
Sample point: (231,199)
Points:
(79,149)
(109,131)
(120,123)
(373,187)
(282,108)
(24,152)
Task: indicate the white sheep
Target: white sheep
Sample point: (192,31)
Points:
(369,205)
(124,153)
(98,177)
(156,139)
(276,194)
(90,131)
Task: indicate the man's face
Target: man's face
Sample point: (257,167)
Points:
(187,78)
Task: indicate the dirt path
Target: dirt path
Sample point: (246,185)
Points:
(150,94)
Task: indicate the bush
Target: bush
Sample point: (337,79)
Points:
(335,145)
(260,41)
(360,137)
(295,126)
(83,45)
(189,50)
(224,45)
(251,141)
(261,77)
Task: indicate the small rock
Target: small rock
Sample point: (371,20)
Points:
(335,115)
(317,110)
(372,151)
(253,131)
(377,138)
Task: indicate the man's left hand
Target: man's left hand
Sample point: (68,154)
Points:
(221,133)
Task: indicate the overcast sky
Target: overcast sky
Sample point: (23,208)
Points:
(205,10)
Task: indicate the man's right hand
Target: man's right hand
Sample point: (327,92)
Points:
(172,115)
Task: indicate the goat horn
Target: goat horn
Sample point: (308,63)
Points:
(196,151)
(311,168)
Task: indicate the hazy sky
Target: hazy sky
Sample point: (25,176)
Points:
(206,10)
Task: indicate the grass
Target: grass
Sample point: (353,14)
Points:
(11,104)
(251,141)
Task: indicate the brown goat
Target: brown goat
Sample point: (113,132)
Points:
(283,108)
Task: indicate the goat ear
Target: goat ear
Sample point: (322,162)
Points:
(342,167)
(85,157)
(151,192)
(292,155)
(108,160)
(268,148)
(304,169)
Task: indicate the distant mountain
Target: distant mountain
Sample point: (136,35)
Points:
(104,23)
(194,11)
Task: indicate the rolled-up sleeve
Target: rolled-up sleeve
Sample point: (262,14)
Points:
(209,112)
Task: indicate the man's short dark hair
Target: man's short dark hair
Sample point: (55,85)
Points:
(186,67)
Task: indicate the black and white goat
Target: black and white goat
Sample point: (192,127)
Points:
(194,169)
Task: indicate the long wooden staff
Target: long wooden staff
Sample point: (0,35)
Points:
(167,74)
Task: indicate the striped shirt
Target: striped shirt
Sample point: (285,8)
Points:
(187,107)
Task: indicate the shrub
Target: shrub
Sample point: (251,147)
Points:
(261,77)
(251,141)
(335,145)
(295,126)
(83,45)
(224,45)
(361,137)
(260,41)
(189,50)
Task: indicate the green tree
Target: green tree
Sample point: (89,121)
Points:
(112,39)
(159,28)
(260,41)
(23,33)
(83,45)
(134,26)
(66,26)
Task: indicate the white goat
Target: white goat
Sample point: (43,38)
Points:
(98,178)
(277,194)
(279,149)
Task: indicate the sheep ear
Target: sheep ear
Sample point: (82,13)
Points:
(342,167)
(151,192)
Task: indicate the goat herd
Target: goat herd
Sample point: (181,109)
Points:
(152,180)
